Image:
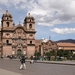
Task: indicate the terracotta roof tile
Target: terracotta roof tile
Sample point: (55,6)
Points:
(65,44)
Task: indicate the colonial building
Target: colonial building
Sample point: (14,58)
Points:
(66,46)
(45,46)
(17,39)
(49,46)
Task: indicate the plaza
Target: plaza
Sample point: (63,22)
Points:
(8,66)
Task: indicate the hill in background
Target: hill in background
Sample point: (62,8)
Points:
(67,41)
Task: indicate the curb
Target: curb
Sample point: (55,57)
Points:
(51,62)
(56,63)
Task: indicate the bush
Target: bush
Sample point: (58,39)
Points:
(37,55)
(73,57)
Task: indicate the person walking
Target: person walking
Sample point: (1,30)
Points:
(32,60)
(23,65)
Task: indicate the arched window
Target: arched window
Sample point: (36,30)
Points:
(7,24)
(30,26)
(30,42)
(7,41)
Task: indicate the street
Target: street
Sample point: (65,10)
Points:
(36,68)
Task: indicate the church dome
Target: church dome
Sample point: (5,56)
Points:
(29,17)
(6,14)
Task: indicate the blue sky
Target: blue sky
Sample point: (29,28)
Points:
(52,17)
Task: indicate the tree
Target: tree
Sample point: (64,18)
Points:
(47,54)
(60,53)
(67,54)
(53,53)
(37,54)
(73,56)
(64,53)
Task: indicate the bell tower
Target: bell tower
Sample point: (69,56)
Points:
(6,32)
(29,22)
(29,25)
(7,20)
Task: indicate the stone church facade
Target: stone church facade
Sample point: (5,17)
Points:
(17,39)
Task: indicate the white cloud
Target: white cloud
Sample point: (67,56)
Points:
(46,12)
(44,40)
(53,12)
(63,30)
(14,2)
(4,2)
(1,11)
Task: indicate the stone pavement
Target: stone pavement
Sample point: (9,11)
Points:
(11,67)
(65,62)
(58,62)
(6,72)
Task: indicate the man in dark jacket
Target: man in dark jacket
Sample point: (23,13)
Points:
(22,60)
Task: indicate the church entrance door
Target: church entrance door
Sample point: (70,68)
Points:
(19,52)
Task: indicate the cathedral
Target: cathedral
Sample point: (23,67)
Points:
(20,39)
(17,39)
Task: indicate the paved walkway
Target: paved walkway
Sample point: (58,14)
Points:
(58,62)
(6,72)
(66,62)
(10,72)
